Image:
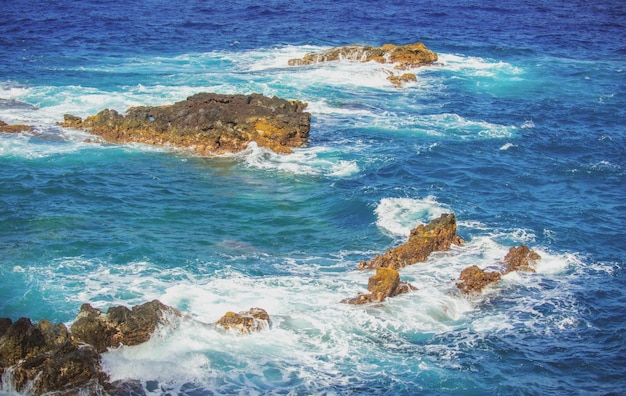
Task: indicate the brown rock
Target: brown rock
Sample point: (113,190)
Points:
(404,56)
(474,279)
(398,81)
(255,319)
(438,235)
(15,128)
(42,358)
(206,123)
(520,258)
(385,283)
(120,325)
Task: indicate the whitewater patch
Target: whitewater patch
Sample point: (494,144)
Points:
(320,161)
(398,216)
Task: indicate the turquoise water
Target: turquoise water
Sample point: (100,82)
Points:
(518,130)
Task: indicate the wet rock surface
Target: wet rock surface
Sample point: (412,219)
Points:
(438,235)
(206,123)
(15,128)
(385,283)
(252,320)
(519,258)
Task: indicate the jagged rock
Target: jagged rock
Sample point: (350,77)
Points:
(5,323)
(438,235)
(15,128)
(255,319)
(42,358)
(474,279)
(207,123)
(385,283)
(403,56)
(120,325)
(398,81)
(520,258)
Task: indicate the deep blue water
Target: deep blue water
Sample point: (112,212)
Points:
(519,130)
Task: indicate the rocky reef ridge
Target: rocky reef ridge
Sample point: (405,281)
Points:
(438,235)
(207,123)
(403,57)
(14,128)
(519,258)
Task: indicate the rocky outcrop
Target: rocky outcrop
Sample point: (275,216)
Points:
(207,123)
(438,235)
(120,325)
(474,279)
(45,358)
(252,320)
(40,358)
(520,258)
(385,283)
(15,128)
(401,56)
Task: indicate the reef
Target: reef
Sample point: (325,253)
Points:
(403,57)
(206,123)
(520,258)
(14,128)
(46,358)
(435,236)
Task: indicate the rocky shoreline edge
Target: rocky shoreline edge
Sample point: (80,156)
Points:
(46,358)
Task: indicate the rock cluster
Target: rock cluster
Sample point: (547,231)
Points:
(474,279)
(207,123)
(438,235)
(46,358)
(15,128)
(403,57)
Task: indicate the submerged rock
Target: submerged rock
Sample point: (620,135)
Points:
(120,325)
(385,283)
(207,123)
(254,319)
(15,128)
(438,235)
(474,279)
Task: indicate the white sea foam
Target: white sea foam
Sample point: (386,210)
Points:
(476,66)
(304,161)
(397,216)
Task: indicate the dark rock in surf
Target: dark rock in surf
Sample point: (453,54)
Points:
(15,128)
(42,357)
(207,123)
(401,56)
(252,320)
(438,235)
(385,283)
(520,258)
(121,325)
(474,279)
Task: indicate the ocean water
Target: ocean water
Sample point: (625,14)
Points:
(519,130)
